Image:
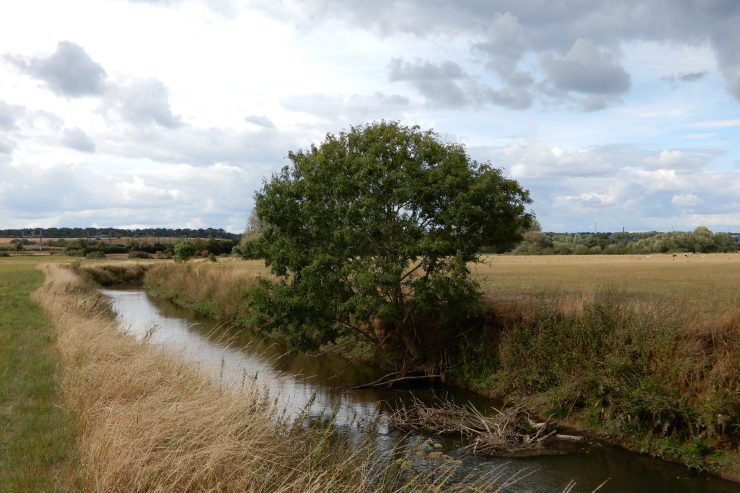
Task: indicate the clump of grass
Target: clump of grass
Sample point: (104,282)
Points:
(215,290)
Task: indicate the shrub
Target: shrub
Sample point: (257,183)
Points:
(185,250)
(137,254)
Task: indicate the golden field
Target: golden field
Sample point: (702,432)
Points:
(709,283)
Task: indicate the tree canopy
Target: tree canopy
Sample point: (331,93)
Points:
(370,235)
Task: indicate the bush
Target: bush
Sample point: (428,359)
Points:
(115,249)
(137,254)
(96,255)
(185,250)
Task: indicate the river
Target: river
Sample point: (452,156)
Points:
(321,384)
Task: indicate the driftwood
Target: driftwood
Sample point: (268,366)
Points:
(391,379)
(506,432)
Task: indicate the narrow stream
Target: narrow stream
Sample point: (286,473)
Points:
(315,384)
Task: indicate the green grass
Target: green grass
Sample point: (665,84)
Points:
(36,440)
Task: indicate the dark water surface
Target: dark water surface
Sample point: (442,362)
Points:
(320,384)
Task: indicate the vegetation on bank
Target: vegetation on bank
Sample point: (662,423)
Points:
(37,449)
(149,421)
(654,375)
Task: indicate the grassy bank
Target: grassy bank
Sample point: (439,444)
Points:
(37,447)
(652,366)
(653,377)
(151,422)
(217,291)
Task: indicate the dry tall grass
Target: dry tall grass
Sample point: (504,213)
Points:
(217,291)
(149,422)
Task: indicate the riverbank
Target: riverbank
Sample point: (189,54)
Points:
(653,376)
(149,421)
(37,448)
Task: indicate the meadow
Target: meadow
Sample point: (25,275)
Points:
(37,450)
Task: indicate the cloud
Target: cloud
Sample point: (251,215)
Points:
(686,199)
(171,196)
(143,102)
(351,109)
(509,32)
(617,185)
(438,83)
(446,84)
(6,149)
(260,121)
(77,139)
(686,77)
(68,72)
(202,147)
(717,124)
(587,71)
(9,114)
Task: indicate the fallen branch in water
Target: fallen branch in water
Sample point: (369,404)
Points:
(508,432)
(387,382)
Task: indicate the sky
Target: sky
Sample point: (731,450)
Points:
(172,113)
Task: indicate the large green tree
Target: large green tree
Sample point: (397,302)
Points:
(371,233)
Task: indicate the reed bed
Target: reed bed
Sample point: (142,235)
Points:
(214,290)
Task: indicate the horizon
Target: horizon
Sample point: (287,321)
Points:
(620,114)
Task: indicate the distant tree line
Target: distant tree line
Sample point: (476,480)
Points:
(120,233)
(700,240)
(142,249)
